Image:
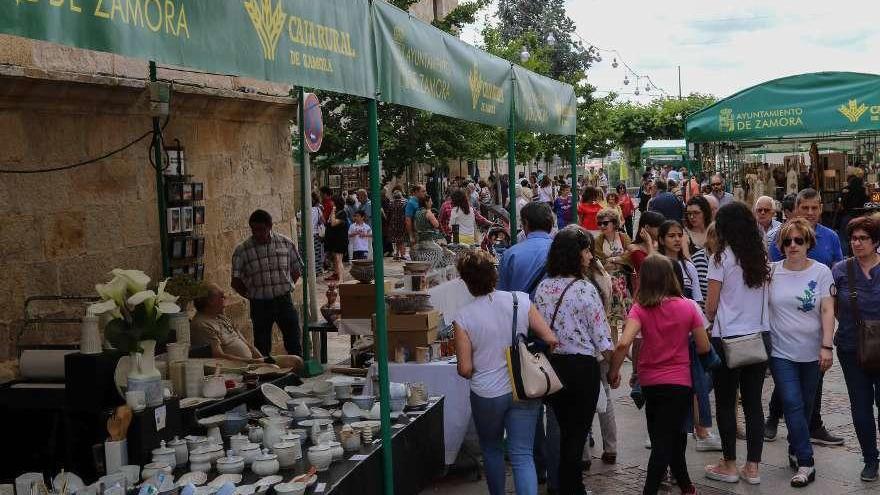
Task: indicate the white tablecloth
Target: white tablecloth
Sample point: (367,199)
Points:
(440,378)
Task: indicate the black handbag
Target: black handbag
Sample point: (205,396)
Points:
(868,332)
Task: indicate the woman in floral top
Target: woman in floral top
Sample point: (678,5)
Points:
(573,307)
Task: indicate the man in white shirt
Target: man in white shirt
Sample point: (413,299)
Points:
(765,214)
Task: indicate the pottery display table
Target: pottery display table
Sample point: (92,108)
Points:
(440,378)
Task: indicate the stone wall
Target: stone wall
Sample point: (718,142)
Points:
(61,232)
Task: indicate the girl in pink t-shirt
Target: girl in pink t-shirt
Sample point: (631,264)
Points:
(666,321)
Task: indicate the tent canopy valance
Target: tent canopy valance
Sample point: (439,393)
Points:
(664,150)
(806,105)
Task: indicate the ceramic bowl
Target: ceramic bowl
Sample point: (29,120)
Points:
(265,464)
(291,488)
(231,464)
(364,402)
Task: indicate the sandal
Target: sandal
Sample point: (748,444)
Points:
(713,473)
(792,461)
(609,458)
(804,477)
(752,480)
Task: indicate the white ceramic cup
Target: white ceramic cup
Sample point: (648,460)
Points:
(136,400)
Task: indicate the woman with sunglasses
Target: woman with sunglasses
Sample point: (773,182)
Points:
(862,386)
(801,311)
(627,207)
(738,274)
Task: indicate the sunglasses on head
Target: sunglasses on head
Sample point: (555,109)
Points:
(797,240)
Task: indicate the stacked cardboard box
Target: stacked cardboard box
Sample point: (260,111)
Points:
(358,301)
(411,330)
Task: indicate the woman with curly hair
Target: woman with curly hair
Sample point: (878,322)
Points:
(736,306)
(698,216)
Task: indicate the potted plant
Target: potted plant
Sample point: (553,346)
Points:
(187,289)
(136,319)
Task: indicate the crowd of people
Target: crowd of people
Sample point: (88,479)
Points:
(704,294)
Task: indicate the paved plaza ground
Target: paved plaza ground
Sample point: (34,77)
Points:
(837,468)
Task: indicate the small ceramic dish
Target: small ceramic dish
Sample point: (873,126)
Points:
(197,478)
(223,478)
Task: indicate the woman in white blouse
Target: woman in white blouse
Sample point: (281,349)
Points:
(572,306)
(464,219)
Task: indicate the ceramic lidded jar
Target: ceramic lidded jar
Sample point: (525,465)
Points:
(320,456)
(200,460)
(255,434)
(265,464)
(250,452)
(237,441)
(231,464)
(287,452)
(163,454)
(181,451)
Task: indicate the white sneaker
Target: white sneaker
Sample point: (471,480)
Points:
(648,442)
(709,444)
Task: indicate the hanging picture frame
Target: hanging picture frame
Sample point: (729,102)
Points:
(198,215)
(186,219)
(198,191)
(173,220)
(189,249)
(177,248)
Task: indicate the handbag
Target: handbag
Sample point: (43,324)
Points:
(868,337)
(746,349)
(531,376)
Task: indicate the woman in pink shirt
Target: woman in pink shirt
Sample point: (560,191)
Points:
(666,320)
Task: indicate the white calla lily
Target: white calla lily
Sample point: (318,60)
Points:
(162,296)
(113,290)
(136,280)
(146,297)
(166,308)
(101,307)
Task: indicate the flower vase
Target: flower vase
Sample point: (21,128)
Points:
(143,374)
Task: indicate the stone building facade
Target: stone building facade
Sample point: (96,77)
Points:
(62,232)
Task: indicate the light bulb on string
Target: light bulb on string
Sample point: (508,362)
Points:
(524,55)
(637,86)
(625,81)
(614,63)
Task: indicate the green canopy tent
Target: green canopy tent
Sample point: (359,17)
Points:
(784,113)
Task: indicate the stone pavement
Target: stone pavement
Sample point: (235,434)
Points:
(837,468)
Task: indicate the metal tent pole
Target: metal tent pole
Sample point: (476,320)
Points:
(574,172)
(160,183)
(311,366)
(381,325)
(511,162)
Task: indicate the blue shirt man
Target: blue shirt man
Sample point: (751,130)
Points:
(523,265)
(827,249)
(666,203)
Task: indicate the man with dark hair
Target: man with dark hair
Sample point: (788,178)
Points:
(827,250)
(666,203)
(645,192)
(522,268)
(417,193)
(265,268)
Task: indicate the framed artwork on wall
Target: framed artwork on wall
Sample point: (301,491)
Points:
(186,219)
(174,220)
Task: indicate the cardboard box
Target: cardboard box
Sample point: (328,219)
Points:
(410,340)
(425,320)
(357,300)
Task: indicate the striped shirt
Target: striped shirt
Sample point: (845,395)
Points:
(700,261)
(267,270)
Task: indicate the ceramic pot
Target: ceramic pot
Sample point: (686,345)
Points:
(90,335)
(154,468)
(350,439)
(144,375)
(204,467)
(255,434)
(397,390)
(273,428)
(163,454)
(301,433)
(181,452)
(320,456)
(193,442)
(231,464)
(265,464)
(288,453)
(250,452)
(336,450)
(319,428)
(237,441)
(179,323)
(362,271)
(214,387)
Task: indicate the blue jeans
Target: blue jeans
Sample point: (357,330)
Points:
(493,418)
(702,382)
(864,394)
(797,384)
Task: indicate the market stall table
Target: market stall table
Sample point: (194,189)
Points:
(440,378)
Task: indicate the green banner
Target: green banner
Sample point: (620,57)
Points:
(544,104)
(805,105)
(423,67)
(322,44)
